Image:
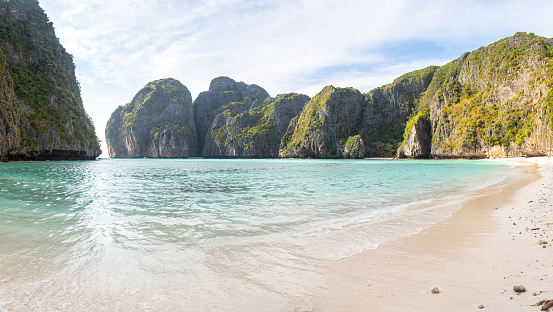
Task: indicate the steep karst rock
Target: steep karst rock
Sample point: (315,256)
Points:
(256,132)
(325,124)
(388,109)
(337,120)
(157,123)
(418,139)
(496,101)
(41,111)
(224,94)
(354,148)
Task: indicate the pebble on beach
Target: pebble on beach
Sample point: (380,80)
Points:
(435,290)
(519,289)
(481,307)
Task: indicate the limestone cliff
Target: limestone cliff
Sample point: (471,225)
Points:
(496,101)
(41,111)
(344,123)
(256,132)
(325,124)
(417,138)
(224,95)
(388,109)
(354,148)
(157,123)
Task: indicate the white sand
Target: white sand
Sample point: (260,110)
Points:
(475,257)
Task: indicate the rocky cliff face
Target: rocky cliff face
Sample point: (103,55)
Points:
(232,119)
(157,123)
(496,101)
(344,123)
(417,138)
(255,132)
(388,109)
(325,124)
(224,95)
(42,115)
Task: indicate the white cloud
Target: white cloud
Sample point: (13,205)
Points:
(283,46)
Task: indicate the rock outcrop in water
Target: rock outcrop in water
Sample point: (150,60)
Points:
(41,111)
(496,101)
(157,123)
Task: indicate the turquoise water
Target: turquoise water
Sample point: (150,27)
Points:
(208,234)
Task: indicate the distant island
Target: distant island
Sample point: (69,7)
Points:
(41,111)
(494,102)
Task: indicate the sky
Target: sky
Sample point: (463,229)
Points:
(281,45)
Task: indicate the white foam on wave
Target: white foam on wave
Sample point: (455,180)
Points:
(350,237)
(373,215)
(352,252)
(485,184)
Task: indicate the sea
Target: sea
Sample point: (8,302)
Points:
(210,234)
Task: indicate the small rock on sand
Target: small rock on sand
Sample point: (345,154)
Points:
(519,289)
(435,290)
(481,307)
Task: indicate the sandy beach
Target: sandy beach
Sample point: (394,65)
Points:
(474,258)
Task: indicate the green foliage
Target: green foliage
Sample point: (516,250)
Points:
(353,147)
(421,114)
(466,104)
(311,120)
(330,106)
(417,75)
(408,91)
(549,108)
(473,121)
(181,128)
(254,131)
(154,98)
(443,76)
(43,76)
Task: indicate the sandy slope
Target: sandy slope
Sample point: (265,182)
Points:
(475,257)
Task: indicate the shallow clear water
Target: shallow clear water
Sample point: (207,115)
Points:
(208,234)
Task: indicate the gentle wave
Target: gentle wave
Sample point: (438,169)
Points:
(480,185)
(190,234)
(371,216)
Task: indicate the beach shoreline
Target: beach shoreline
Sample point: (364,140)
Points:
(475,257)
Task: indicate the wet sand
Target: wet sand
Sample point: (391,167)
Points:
(474,258)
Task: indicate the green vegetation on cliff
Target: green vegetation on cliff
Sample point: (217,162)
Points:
(495,96)
(158,122)
(49,108)
(337,120)
(255,132)
(325,124)
(496,101)
(310,121)
(389,109)
(228,97)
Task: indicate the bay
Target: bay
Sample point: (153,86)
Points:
(195,234)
